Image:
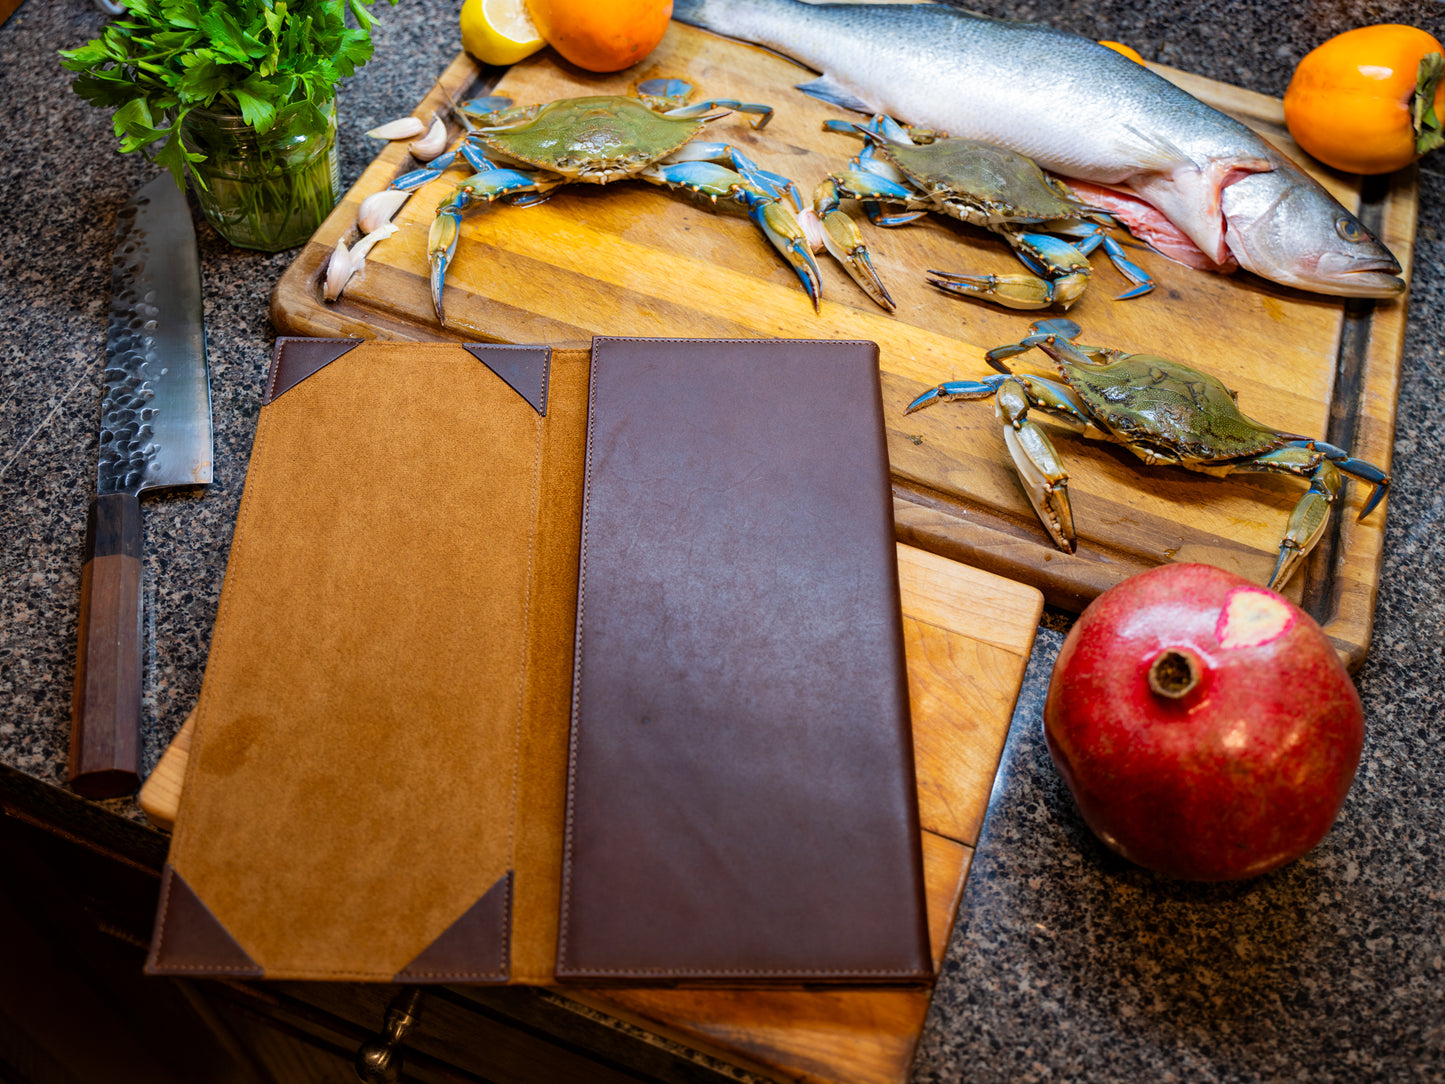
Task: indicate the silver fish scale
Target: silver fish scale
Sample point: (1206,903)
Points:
(155,425)
(1079,109)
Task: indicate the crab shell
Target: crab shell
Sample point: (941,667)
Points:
(1151,401)
(1000,185)
(598,140)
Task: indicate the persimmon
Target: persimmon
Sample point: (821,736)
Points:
(601,35)
(1369,100)
(1124,50)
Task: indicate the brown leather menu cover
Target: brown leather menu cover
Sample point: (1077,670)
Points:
(740,795)
(391,778)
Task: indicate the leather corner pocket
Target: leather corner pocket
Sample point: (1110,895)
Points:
(523,368)
(190,939)
(297,358)
(474,947)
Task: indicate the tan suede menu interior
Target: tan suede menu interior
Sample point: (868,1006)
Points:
(377,786)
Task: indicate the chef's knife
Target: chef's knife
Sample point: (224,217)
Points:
(155,430)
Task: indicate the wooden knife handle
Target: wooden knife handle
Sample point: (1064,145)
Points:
(105,710)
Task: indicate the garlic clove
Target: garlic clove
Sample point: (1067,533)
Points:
(813,230)
(401,128)
(339,270)
(378,208)
(345,263)
(381,233)
(432,144)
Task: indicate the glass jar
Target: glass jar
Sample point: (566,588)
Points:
(271,190)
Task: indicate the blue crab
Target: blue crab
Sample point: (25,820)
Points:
(1163,412)
(982,184)
(522,154)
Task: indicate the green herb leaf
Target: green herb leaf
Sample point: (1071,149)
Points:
(257,58)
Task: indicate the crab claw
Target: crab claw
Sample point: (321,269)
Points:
(783,230)
(838,233)
(1013,291)
(1045,482)
(1306,523)
(441,246)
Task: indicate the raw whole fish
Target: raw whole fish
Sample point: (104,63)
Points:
(1082,111)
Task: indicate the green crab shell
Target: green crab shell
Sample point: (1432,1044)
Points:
(598,138)
(1150,400)
(1012,186)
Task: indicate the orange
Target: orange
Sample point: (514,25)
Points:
(1352,102)
(601,35)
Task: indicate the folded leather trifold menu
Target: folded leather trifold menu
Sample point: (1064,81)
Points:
(538,665)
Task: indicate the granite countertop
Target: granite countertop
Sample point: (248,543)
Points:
(1068,964)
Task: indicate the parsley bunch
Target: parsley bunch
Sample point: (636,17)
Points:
(261,59)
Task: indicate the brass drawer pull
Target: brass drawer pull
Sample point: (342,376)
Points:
(378,1061)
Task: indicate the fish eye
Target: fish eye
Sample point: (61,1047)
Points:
(1350,230)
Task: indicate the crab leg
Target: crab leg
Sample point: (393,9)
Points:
(669,95)
(488,186)
(1323,465)
(769,213)
(874,186)
(1141,279)
(727,154)
(867,161)
(419,178)
(1045,482)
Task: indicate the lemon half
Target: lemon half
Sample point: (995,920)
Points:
(498,31)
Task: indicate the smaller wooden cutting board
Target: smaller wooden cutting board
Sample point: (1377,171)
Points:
(968,635)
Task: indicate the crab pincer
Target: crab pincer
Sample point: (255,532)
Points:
(521,154)
(1162,411)
(914,172)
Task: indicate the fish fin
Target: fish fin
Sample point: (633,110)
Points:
(1225,171)
(827,89)
(1155,152)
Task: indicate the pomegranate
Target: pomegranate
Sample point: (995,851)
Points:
(1204,724)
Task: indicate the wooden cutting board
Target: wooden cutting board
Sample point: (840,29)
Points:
(632,259)
(967,637)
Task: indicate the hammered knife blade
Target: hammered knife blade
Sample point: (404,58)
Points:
(155,430)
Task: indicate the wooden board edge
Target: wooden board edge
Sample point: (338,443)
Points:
(647,1010)
(1375,331)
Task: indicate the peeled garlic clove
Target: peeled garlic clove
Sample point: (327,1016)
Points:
(378,208)
(401,128)
(381,233)
(339,270)
(432,144)
(346,263)
(813,230)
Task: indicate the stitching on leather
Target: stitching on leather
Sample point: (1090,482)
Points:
(566,908)
(761,972)
(503,971)
(160,940)
(165,911)
(281,345)
(522,684)
(546,373)
(243,516)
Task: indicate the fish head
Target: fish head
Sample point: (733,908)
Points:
(1285,227)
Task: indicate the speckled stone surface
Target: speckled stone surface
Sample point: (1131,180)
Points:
(1068,964)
